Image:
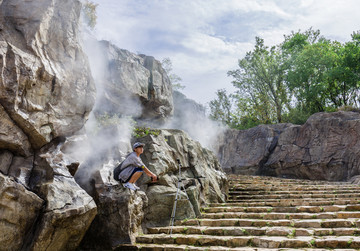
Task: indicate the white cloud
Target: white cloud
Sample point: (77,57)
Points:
(205,38)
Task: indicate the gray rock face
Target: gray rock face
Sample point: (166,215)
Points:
(203,178)
(131,84)
(19,211)
(325,147)
(69,209)
(123,213)
(246,151)
(120,212)
(46,94)
(45,87)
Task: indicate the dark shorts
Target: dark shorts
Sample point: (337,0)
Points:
(137,169)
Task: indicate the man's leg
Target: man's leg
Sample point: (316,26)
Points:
(135,177)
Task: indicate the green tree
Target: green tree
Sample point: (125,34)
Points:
(220,108)
(260,83)
(321,73)
(89,11)
(304,74)
(174,79)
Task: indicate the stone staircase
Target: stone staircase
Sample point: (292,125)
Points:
(269,213)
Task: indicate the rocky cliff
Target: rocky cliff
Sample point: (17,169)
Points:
(326,147)
(47,93)
(129,84)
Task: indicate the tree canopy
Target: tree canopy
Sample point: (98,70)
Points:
(288,82)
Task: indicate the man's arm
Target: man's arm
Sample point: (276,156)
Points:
(149,173)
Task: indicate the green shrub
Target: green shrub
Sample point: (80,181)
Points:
(140,132)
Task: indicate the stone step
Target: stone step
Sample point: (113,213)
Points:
(256,231)
(253,241)
(282,216)
(252,183)
(293,196)
(272,180)
(286,192)
(294,187)
(298,202)
(257,187)
(301,223)
(266,213)
(262,209)
(287,183)
(174,247)
(288,203)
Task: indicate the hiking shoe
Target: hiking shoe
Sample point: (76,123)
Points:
(136,186)
(130,186)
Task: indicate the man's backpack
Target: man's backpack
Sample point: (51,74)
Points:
(117,171)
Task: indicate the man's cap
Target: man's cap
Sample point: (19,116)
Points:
(138,144)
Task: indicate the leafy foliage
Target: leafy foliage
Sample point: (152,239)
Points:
(140,132)
(260,80)
(304,74)
(323,75)
(174,79)
(89,11)
(221,107)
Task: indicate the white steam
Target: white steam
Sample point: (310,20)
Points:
(108,133)
(109,128)
(191,117)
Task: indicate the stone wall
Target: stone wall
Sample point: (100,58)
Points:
(326,147)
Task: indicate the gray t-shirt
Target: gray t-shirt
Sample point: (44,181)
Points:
(130,163)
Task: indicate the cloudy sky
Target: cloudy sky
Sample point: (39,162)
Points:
(205,38)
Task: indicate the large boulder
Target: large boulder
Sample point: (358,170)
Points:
(19,210)
(45,88)
(246,151)
(131,84)
(46,94)
(122,214)
(190,117)
(203,177)
(69,209)
(326,147)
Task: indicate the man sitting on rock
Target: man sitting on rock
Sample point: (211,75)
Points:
(134,167)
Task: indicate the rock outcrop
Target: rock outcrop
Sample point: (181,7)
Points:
(19,209)
(122,213)
(69,209)
(131,85)
(326,147)
(246,151)
(46,94)
(205,181)
(46,88)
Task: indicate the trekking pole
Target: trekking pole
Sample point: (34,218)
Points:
(177,196)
